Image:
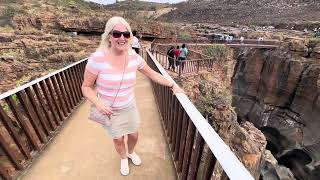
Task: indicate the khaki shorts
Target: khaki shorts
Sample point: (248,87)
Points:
(124,121)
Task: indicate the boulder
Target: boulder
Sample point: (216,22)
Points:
(278,92)
(6,37)
(83,25)
(298,45)
(271,170)
(208,93)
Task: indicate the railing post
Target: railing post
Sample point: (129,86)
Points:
(3,173)
(142,53)
(198,66)
(180,69)
(211,64)
(157,55)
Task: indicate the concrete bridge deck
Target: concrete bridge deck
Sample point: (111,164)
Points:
(83,150)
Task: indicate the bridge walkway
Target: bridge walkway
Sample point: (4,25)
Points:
(83,150)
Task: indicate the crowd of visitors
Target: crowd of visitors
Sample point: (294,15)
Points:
(177,56)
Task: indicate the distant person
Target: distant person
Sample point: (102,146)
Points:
(229,38)
(171,56)
(135,42)
(317,34)
(241,39)
(177,54)
(183,55)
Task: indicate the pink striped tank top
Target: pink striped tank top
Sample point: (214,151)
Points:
(108,80)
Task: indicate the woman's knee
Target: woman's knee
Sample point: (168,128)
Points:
(133,136)
(119,141)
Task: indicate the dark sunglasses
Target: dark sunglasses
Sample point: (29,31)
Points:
(117,34)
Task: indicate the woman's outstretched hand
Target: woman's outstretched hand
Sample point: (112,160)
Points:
(177,89)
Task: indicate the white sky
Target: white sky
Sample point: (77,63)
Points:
(113,1)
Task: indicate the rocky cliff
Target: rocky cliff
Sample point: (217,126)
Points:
(278,90)
(211,94)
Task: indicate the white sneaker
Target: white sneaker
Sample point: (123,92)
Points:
(124,167)
(135,158)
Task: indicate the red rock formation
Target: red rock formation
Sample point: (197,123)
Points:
(209,92)
(279,92)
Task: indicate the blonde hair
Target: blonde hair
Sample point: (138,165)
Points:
(104,43)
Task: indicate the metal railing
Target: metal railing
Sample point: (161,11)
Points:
(217,41)
(187,133)
(32,114)
(185,66)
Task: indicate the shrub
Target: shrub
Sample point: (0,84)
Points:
(24,79)
(213,99)
(279,36)
(5,106)
(8,13)
(6,29)
(146,18)
(185,35)
(313,42)
(218,51)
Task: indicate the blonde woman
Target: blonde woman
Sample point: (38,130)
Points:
(113,68)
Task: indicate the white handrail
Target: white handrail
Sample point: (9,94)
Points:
(13,91)
(229,162)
